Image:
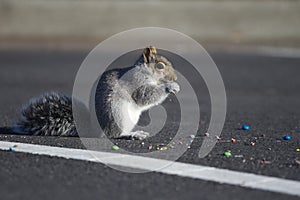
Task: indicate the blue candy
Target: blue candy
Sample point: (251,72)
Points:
(245,127)
(12,149)
(287,137)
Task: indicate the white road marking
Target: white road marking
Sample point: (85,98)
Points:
(241,179)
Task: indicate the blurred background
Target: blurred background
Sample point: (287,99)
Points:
(83,24)
(43,42)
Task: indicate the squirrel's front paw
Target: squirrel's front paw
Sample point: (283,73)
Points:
(140,135)
(172,88)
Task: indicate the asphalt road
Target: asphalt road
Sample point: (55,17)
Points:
(262,92)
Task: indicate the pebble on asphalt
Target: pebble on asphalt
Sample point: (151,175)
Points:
(192,136)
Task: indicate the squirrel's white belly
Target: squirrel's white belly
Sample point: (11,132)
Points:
(130,115)
(133,112)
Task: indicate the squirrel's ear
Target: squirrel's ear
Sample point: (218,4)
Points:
(149,54)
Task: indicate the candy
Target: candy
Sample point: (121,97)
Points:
(227,154)
(233,140)
(245,127)
(12,149)
(238,156)
(287,137)
(265,162)
(298,149)
(115,147)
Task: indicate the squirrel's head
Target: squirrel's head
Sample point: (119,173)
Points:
(160,66)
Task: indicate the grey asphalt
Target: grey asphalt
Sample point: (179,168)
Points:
(262,92)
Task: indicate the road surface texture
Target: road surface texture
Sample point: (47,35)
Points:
(262,92)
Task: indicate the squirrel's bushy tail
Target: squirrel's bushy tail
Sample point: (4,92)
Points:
(51,114)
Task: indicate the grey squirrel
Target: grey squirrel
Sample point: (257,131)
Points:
(119,101)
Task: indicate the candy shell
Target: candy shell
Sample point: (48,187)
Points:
(227,154)
(12,149)
(115,147)
(287,137)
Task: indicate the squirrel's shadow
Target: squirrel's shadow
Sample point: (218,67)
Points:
(7,131)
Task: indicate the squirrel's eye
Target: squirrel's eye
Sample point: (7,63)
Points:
(160,66)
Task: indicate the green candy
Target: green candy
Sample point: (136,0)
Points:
(227,153)
(115,147)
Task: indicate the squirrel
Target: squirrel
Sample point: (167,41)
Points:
(121,96)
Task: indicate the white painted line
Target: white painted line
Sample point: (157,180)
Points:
(174,168)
